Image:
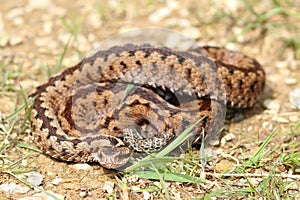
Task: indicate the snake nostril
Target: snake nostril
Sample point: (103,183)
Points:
(142,122)
(116,128)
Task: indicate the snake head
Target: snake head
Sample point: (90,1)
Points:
(112,157)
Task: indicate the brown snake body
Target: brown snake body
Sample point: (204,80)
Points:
(136,98)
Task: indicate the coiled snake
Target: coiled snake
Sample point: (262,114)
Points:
(137,98)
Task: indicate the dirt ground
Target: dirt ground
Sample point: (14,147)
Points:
(33,35)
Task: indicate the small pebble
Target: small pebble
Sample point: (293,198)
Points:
(271,105)
(290,81)
(94,20)
(4,39)
(15,40)
(85,192)
(294,118)
(250,128)
(209,152)
(135,187)
(281,120)
(108,187)
(240,37)
(37,4)
(232,6)
(56,181)
(24,163)
(265,124)
(295,97)
(35,178)
(1,23)
(159,14)
(192,32)
(14,13)
(184,23)
(18,21)
(227,137)
(146,195)
(48,26)
(82,166)
(282,64)
(133,179)
(248,146)
(13,188)
(173,4)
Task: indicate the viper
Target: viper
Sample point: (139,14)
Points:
(138,98)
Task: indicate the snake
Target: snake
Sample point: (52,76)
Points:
(136,98)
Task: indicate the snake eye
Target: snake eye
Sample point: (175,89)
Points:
(166,94)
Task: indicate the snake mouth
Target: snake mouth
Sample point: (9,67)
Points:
(112,157)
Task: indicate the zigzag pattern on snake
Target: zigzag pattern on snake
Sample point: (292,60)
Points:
(137,98)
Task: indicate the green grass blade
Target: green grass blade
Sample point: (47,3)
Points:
(258,153)
(168,176)
(156,158)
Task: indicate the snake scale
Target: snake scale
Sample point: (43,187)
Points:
(137,98)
